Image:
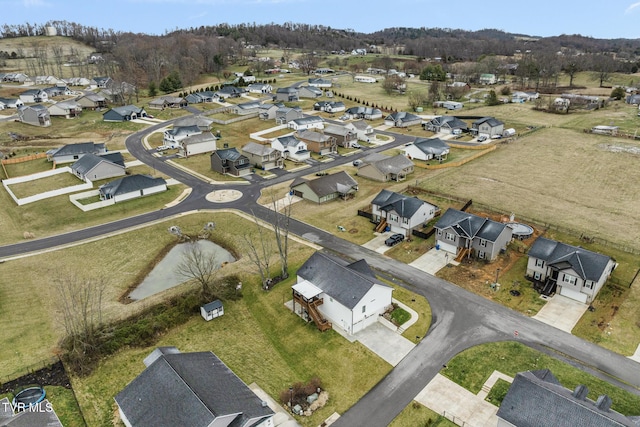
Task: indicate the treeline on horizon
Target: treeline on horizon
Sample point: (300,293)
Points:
(142,59)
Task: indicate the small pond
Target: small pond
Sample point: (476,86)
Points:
(164,276)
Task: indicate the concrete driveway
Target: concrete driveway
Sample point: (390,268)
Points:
(433,261)
(377,243)
(388,344)
(561,312)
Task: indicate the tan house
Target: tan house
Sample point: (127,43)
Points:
(383,168)
(318,142)
(263,156)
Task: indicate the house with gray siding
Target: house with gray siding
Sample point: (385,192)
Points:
(92,101)
(91,167)
(402,119)
(574,272)
(131,187)
(487,126)
(124,113)
(73,152)
(345,136)
(384,168)
(287,94)
(284,115)
(263,156)
(36,115)
(67,109)
(464,234)
(230,161)
(446,124)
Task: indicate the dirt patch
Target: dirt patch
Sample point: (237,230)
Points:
(619,148)
(54,375)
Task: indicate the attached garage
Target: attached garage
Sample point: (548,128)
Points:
(573,294)
(449,247)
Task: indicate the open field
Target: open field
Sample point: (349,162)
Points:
(556,176)
(54,182)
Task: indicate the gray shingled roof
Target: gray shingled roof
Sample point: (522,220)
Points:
(314,136)
(183,130)
(469,225)
(346,283)
(434,146)
(213,305)
(130,183)
(76,149)
(337,129)
(536,399)
(363,111)
(451,121)
(340,182)
(307,120)
(288,141)
(587,264)
(404,206)
(390,164)
(127,110)
(491,121)
(90,161)
(189,389)
(230,154)
(199,138)
(258,149)
(402,116)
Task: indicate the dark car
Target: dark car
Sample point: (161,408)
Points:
(394,239)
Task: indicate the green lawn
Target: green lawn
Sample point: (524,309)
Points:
(472,368)
(498,392)
(418,415)
(41,185)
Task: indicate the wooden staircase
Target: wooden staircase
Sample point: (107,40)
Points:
(380,227)
(462,253)
(311,307)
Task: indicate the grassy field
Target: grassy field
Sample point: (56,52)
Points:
(37,186)
(472,368)
(416,414)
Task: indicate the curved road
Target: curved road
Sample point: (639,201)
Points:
(460,319)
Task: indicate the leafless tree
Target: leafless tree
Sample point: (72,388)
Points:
(281,221)
(416,99)
(79,300)
(308,62)
(201,267)
(259,246)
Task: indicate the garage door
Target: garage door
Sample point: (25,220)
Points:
(447,247)
(573,294)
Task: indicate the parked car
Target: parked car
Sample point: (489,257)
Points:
(482,138)
(357,162)
(394,239)
(356,145)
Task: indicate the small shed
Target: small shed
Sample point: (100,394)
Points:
(212,310)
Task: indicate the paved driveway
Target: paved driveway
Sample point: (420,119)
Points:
(561,312)
(388,344)
(433,261)
(377,243)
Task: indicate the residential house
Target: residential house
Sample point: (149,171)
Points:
(15,78)
(173,136)
(487,79)
(131,187)
(168,101)
(91,167)
(92,101)
(487,126)
(426,149)
(287,94)
(329,106)
(537,398)
(190,389)
(67,109)
(449,105)
(446,124)
(318,142)
(364,131)
(36,115)
(365,79)
(367,113)
(308,122)
(633,99)
(285,115)
(344,136)
(291,148)
(12,102)
(268,111)
(38,414)
(319,82)
(211,310)
(230,161)
(101,82)
(402,119)
(201,97)
(201,122)
(124,113)
(77,81)
(402,214)
(246,108)
(263,156)
(72,152)
(31,96)
(259,88)
(58,90)
(199,143)
(229,92)
(383,168)
(465,234)
(309,92)
(577,273)
(325,188)
(335,293)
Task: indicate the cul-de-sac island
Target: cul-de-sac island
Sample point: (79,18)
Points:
(292,225)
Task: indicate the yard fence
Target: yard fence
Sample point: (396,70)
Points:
(47,194)
(460,162)
(456,420)
(73,198)
(44,363)
(366,214)
(235,119)
(23,159)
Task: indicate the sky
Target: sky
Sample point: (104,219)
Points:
(594,18)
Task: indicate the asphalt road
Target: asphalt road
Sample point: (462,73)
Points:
(460,319)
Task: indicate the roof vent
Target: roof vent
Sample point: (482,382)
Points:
(603,403)
(580,392)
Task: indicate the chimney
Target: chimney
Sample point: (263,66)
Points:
(580,392)
(603,403)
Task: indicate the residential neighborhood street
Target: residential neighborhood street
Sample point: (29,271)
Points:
(460,319)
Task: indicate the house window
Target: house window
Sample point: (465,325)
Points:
(439,233)
(537,275)
(405,221)
(539,263)
(364,308)
(450,236)
(588,284)
(481,254)
(483,243)
(569,279)
(393,218)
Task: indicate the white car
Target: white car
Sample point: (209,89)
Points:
(356,145)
